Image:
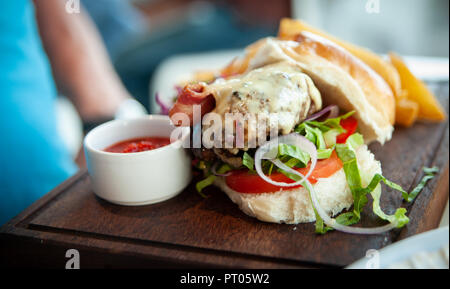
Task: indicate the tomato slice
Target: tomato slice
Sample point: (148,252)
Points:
(350,125)
(243,181)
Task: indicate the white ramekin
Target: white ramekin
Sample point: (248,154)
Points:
(142,178)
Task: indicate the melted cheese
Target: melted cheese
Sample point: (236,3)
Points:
(278,90)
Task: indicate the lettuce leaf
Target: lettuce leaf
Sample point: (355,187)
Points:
(430,171)
(429,174)
(321,228)
(331,123)
(330,136)
(323,134)
(313,134)
(316,136)
(292,152)
(399,217)
(205,183)
(346,152)
(248,161)
(210,178)
(324,153)
(224,168)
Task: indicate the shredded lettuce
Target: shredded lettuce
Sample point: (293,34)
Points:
(430,171)
(429,174)
(205,183)
(323,133)
(321,228)
(324,153)
(270,168)
(224,168)
(313,134)
(293,155)
(331,123)
(248,161)
(346,152)
(326,125)
(399,218)
(343,219)
(209,180)
(316,136)
(330,136)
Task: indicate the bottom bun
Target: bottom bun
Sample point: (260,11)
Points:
(294,206)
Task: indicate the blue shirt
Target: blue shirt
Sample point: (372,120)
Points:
(33,159)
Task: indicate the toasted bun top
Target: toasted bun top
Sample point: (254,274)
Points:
(341,78)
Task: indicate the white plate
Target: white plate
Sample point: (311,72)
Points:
(180,67)
(422,249)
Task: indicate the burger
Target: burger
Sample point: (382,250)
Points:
(316,107)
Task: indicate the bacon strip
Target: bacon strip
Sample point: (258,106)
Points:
(190,95)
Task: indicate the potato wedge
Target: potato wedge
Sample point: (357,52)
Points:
(205,76)
(429,107)
(406,112)
(290,28)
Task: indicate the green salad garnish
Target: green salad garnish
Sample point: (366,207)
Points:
(323,135)
(346,152)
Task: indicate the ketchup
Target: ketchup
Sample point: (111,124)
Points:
(136,145)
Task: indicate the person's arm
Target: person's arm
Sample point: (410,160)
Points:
(79,61)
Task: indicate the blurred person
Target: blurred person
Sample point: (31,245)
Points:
(118,22)
(191,26)
(39,38)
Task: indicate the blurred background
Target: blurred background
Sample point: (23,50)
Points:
(162,28)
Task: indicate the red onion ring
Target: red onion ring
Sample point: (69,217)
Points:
(164,108)
(331,221)
(269,151)
(332,109)
(214,171)
(343,228)
(178,88)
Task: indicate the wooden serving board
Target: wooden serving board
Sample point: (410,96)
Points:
(189,230)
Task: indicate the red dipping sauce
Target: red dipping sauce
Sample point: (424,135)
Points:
(136,145)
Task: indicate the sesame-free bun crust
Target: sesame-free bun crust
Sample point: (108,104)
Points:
(294,206)
(341,78)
